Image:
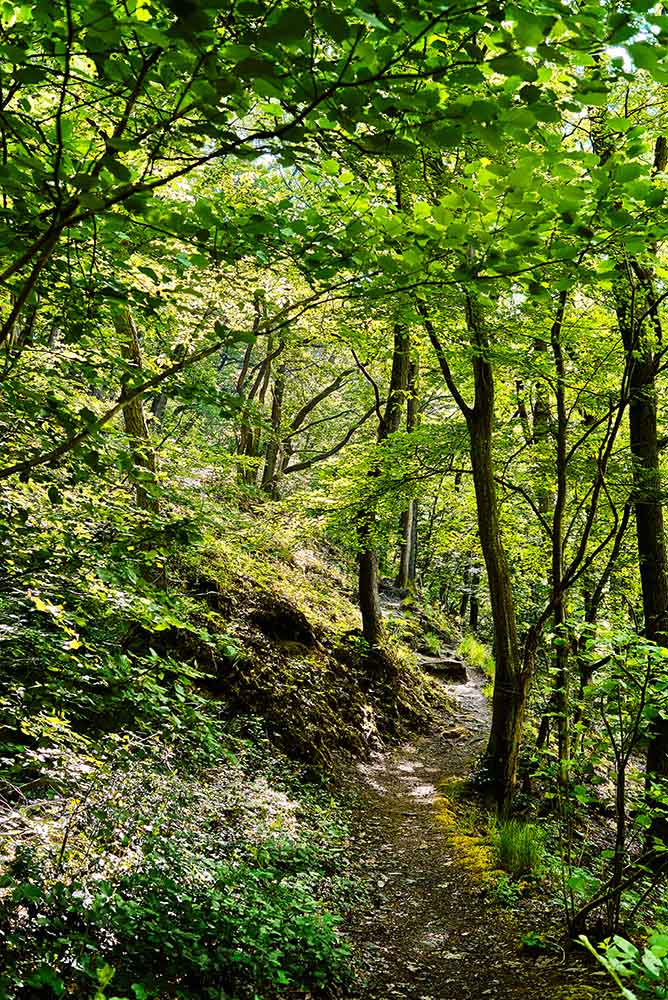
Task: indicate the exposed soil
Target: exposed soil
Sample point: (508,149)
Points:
(431,931)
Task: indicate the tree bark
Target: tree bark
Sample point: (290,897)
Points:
(367,558)
(271,468)
(637,308)
(647,488)
(136,427)
(513,674)
(510,683)
(408,523)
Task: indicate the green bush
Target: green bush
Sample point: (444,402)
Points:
(177,925)
(477,654)
(231,928)
(153,882)
(645,971)
(519,846)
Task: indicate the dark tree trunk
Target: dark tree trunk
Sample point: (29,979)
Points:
(408,524)
(510,683)
(474,606)
(136,427)
(635,296)
(513,674)
(558,502)
(650,533)
(270,472)
(542,419)
(372,624)
(464,599)
(404,579)
(367,558)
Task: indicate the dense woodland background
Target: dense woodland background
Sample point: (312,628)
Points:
(302,303)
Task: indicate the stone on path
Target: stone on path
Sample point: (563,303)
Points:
(447,667)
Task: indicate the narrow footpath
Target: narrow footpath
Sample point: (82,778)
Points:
(431,930)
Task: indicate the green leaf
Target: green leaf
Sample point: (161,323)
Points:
(511,64)
(333,23)
(288,25)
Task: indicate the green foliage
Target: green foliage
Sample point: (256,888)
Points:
(432,643)
(195,928)
(216,226)
(477,654)
(638,972)
(519,846)
(506,890)
(178,881)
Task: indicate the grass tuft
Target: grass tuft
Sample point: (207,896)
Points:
(519,846)
(477,654)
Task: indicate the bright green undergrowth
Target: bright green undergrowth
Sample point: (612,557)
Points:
(225,882)
(637,972)
(477,654)
(156,840)
(519,846)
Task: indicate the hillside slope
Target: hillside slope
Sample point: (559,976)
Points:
(168,824)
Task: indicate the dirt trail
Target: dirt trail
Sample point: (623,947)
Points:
(431,932)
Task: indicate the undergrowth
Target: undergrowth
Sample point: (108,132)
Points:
(172,695)
(519,846)
(224,882)
(477,654)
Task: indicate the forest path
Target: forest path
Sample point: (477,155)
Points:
(430,931)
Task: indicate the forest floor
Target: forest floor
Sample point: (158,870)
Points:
(430,930)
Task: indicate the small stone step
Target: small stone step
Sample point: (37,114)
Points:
(447,667)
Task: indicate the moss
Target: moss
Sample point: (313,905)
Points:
(463,821)
(283,646)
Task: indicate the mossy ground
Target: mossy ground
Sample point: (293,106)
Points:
(284,644)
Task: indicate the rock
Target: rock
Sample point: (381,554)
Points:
(446,667)
(423,650)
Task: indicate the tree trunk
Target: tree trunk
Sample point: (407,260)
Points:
(510,682)
(637,308)
(272,454)
(513,675)
(367,558)
(372,624)
(474,606)
(466,590)
(559,506)
(408,524)
(136,427)
(635,292)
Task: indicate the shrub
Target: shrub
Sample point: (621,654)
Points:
(161,884)
(477,654)
(518,845)
(646,971)
(227,927)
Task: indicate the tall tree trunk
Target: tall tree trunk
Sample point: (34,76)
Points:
(510,683)
(474,605)
(647,490)
(248,434)
(367,558)
(408,522)
(542,420)
(369,601)
(559,507)
(513,674)
(270,471)
(640,327)
(136,427)
(466,590)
